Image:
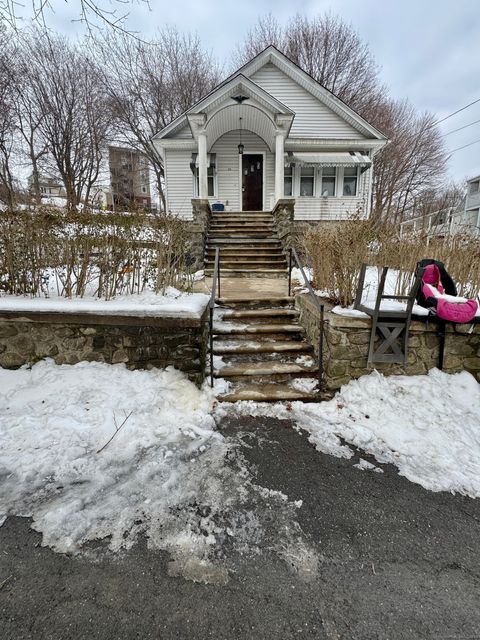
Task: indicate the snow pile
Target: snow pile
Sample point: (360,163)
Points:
(427,426)
(146,304)
(55,419)
(166,473)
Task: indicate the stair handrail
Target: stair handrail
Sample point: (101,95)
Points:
(211,304)
(293,254)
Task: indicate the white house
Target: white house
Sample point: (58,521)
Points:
(461,220)
(269,132)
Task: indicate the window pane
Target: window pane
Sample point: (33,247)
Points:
(350,186)
(287,186)
(306,186)
(329,171)
(211,190)
(307,171)
(307,181)
(328,186)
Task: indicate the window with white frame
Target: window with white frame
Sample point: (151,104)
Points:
(307,181)
(288,181)
(474,187)
(210,181)
(350,181)
(329,181)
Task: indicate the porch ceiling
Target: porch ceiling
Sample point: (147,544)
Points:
(253,119)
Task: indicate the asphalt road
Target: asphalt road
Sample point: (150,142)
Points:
(394,561)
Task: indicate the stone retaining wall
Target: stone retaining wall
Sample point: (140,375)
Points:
(346,341)
(139,342)
(201,212)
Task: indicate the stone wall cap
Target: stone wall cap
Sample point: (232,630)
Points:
(144,305)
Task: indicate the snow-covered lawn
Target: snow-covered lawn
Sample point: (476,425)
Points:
(169,474)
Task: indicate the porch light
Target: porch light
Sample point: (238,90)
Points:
(241,146)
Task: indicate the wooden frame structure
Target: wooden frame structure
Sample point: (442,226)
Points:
(392,327)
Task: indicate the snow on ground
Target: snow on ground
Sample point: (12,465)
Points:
(146,304)
(167,473)
(427,426)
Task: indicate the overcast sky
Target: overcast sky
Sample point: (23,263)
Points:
(428,50)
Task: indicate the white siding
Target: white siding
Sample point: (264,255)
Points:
(185,133)
(335,208)
(228,168)
(312,118)
(179,182)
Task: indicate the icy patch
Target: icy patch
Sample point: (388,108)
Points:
(364,465)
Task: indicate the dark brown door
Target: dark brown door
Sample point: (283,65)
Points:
(252,182)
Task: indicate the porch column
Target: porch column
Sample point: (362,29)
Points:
(279,164)
(202,166)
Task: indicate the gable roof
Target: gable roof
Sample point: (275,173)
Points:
(273,56)
(228,88)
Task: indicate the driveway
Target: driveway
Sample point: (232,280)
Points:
(370,555)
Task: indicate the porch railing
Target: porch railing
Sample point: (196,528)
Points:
(213,296)
(293,258)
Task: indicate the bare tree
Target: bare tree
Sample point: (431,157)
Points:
(326,48)
(71,111)
(413,164)
(149,84)
(7,120)
(92,13)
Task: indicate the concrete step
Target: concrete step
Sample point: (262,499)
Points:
(241,263)
(269,251)
(242,224)
(271,393)
(249,273)
(259,313)
(242,214)
(260,369)
(237,347)
(237,328)
(243,241)
(258,235)
(238,301)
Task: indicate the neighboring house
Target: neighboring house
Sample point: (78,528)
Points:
(269,132)
(461,220)
(50,188)
(129,178)
(472,205)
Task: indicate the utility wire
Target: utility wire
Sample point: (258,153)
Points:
(455,112)
(460,128)
(465,146)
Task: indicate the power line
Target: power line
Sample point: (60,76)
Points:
(455,112)
(465,146)
(460,128)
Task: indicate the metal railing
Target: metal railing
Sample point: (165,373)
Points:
(294,256)
(215,281)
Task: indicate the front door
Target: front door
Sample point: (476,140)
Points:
(252,182)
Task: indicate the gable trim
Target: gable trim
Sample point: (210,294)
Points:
(274,56)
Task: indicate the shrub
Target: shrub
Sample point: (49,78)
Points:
(85,254)
(336,254)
